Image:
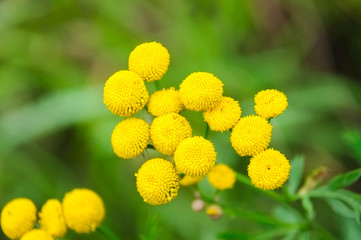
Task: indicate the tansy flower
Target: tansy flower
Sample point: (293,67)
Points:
(201,91)
(270,103)
(167,131)
(157,181)
(224,116)
(195,156)
(251,135)
(188,180)
(269,169)
(149,60)
(130,137)
(83,210)
(18,217)
(37,234)
(222,177)
(165,101)
(51,218)
(125,93)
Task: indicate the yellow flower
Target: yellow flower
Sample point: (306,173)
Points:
(165,101)
(167,131)
(251,135)
(37,234)
(195,156)
(188,180)
(51,218)
(130,137)
(18,217)
(269,169)
(222,177)
(157,181)
(224,116)
(83,210)
(125,93)
(149,60)
(201,91)
(270,103)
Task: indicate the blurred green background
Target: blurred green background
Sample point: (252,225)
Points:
(55,57)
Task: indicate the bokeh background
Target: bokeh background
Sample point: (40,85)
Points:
(55,57)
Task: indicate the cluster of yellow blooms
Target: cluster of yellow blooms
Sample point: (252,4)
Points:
(81,210)
(191,157)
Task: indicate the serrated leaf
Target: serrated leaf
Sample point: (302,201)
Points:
(344,180)
(308,206)
(341,208)
(296,174)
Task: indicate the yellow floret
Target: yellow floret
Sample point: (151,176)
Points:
(83,210)
(270,103)
(125,93)
(224,116)
(166,132)
(222,177)
(51,218)
(269,170)
(195,156)
(149,60)
(157,181)
(188,180)
(37,234)
(165,101)
(18,217)
(201,91)
(130,137)
(251,135)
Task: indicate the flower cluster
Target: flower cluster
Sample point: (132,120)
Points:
(187,158)
(81,210)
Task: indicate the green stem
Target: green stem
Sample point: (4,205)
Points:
(107,233)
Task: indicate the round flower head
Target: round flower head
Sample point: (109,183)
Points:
(165,101)
(166,132)
(270,103)
(125,93)
(130,137)
(37,234)
(18,217)
(51,218)
(222,177)
(157,181)
(201,91)
(195,156)
(251,135)
(149,60)
(224,116)
(188,180)
(269,169)
(83,210)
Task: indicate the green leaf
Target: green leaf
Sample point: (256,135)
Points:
(296,174)
(344,180)
(308,206)
(340,208)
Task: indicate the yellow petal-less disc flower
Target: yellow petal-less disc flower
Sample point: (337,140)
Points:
(188,180)
(149,60)
(37,234)
(51,218)
(167,131)
(269,170)
(83,210)
(224,116)
(18,217)
(165,101)
(251,135)
(157,181)
(270,103)
(195,156)
(125,93)
(201,91)
(130,137)
(222,177)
